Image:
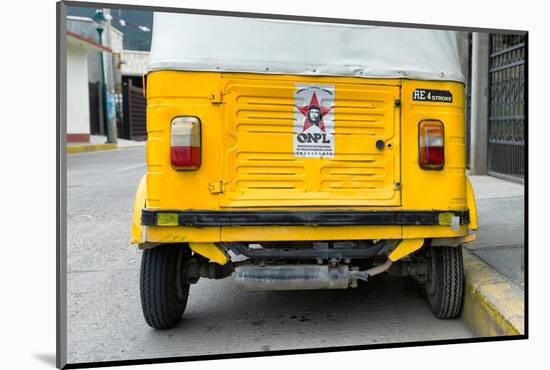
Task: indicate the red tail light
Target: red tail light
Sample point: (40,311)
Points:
(431,148)
(185,143)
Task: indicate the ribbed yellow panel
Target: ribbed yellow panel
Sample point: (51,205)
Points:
(261,170)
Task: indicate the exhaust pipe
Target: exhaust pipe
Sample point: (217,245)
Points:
(298,277)
(364,275)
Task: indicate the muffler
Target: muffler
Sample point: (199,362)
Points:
(292,277)
(297,277)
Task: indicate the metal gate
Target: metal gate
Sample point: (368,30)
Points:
(134,112)
(94,95)
(507,105)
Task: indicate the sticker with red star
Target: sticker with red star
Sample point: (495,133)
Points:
(314,121)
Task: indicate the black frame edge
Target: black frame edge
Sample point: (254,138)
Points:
(61,188)
(292,352)
(61,191)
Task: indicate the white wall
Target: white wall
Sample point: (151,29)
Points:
(78,105)
(134,62)
(116,40)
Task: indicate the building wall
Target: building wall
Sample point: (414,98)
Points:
(134,63)
(116,40)
(87,28)
(78,110)
(83,26)
(113,39)
(137,39)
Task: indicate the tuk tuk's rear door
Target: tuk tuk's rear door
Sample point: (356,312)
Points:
(274,157)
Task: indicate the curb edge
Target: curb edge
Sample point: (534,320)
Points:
(71,149)
(493,305)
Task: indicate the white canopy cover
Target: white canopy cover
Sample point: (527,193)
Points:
(236,44)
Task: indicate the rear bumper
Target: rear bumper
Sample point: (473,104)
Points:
(200,218)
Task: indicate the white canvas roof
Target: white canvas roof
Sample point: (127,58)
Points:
(233,44)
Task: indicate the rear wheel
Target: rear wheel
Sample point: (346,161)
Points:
(163,292)
(445,285)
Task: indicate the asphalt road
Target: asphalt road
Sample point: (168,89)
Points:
(104,314)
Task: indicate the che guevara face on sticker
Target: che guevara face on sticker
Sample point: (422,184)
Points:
(314,112)
(314,115)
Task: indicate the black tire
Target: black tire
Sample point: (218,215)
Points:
(445,285)
(163,292)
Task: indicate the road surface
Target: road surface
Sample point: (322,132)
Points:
(105,322)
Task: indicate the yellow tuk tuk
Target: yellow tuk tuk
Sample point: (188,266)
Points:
(301,155)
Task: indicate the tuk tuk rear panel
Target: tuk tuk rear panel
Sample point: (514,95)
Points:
(247,163)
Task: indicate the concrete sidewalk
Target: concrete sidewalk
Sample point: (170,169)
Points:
(500,238)
(493,264)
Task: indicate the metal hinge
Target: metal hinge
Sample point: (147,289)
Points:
(216,187)
(217,97)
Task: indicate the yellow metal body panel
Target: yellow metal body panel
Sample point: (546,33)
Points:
(210,251)
(179,234)
(171,94)
(436,231)
(425,189)
(139,204)
(289,233)
(405,248)
(244,158)
(470,197)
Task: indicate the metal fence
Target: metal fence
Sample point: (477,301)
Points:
(134,113)
(507,104)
